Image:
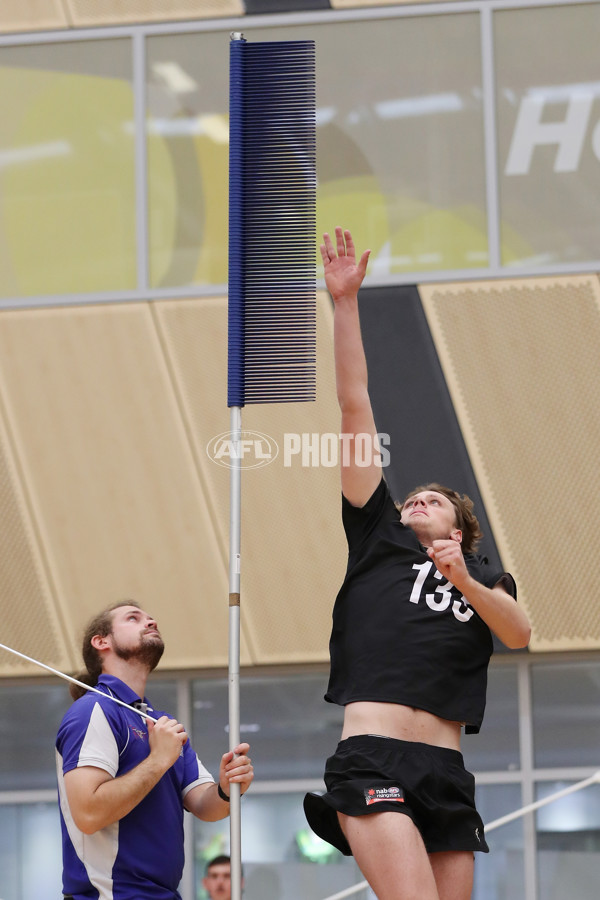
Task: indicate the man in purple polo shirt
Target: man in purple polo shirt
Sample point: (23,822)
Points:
(123,780)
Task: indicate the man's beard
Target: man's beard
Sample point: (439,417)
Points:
(147,652)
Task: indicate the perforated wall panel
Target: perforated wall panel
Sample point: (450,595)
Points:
(29,620)
(522,363)
(293,548)
(106,12)
(105,458)
(109,491)
(31,15)
(346,4)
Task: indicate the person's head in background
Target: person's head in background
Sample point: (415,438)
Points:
(217,878)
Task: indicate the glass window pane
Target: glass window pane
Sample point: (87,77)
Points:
(41,851)
(29,763)
(547,114)
(500,874)
(30,852)
(400,155)
(9,875)
(568,841)
(566,727)
(497,744)
(187,95)
(290,729)
(282,859)
(66,168)
(162,693)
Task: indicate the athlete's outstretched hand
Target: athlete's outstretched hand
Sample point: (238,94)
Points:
(343,275)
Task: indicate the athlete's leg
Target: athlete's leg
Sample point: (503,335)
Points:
(391,855)
(453,872)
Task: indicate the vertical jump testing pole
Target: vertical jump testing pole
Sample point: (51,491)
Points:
(235,402)
(272,279)
(234,643)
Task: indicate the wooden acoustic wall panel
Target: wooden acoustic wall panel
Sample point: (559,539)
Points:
(113,12)
(31,15)
(346,4)
(113,485)
(193,335)
(523,368)
(293,547)
(28,619)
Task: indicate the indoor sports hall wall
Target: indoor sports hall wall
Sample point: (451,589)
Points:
(460,141)
(113,242)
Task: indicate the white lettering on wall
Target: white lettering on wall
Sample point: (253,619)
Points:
(568,134)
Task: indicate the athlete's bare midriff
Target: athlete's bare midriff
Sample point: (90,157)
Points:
(401,722)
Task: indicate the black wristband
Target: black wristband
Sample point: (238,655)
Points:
(222,793)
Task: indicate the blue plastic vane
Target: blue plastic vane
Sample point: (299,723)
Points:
(272,223)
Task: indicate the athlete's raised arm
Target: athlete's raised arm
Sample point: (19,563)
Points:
(343,277)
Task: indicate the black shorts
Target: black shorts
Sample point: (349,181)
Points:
(370,774)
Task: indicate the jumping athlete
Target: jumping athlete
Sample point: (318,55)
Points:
(125,781)
(410,647)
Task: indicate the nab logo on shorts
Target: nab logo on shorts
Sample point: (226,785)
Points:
(378,795)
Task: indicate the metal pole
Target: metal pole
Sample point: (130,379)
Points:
(234,646)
